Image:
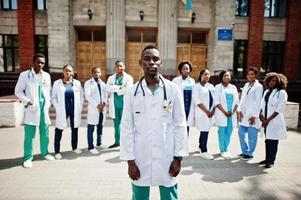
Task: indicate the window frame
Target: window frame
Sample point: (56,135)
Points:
(14,50)
(44,52)
(277,15)
(239,8)
(272,54)
(44,5)
(236,52)
(10,5)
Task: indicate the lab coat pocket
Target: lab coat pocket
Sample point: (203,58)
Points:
(138,116)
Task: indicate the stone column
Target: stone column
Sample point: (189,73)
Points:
(220,53)
(61,49)
(115,33)
(26,33)
(255,35)
(293,30)
(167,35)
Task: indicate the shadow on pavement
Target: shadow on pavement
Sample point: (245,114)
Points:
(220,171)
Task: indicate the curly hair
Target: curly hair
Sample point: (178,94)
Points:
(281,80)
(180,66)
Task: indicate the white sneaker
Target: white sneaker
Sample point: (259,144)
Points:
(58,156)
(27,164)
(48,157)
(77,151)
(224,155)
(228,155)
(94,151)
(207,156)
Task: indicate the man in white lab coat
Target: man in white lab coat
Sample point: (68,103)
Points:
(117,85)
(33,89)
(153,130)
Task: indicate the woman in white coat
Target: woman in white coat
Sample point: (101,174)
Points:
(226,101)
(248,114)
(202,97)
(272,107)
(67,99)
(185,83)
(96,96)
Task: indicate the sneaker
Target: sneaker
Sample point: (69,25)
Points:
(262,162)
(94,151)
(77,151)
(114,145)
(27,164)
(246,157)
(207,156)
(241,155)
(48,157)
(228,155)
(58,156)
(224,155)
(269,165)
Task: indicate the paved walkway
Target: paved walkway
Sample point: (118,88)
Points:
(104,176)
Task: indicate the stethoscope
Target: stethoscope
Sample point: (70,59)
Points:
(143,92)
(30,73)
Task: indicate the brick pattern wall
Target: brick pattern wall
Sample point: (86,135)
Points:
(255,35)
(293,30)
(26,32)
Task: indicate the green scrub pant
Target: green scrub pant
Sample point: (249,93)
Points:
(166,193)
(117,120)
(30,134)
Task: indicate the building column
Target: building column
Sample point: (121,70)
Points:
(220,53)
(167,35)
(115,34)
(255,34)
(293,32)
(26,32)
(61,49)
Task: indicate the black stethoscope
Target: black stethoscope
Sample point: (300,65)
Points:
(143,92)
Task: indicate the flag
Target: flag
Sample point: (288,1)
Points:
(188,7)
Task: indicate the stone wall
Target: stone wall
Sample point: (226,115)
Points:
(8,22)
(11,113)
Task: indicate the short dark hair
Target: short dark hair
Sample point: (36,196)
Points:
(151,46)
(253,69)
(38,55)
(221,74)
(93,68)
(118,61)
(67,66)
(180,66)
(202,72)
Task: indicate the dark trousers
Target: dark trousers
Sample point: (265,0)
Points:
(203,141)
(90,131)
(58,135)
(271,147)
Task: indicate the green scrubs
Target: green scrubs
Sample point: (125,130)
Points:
(166,193)
(118,105)
(31,129)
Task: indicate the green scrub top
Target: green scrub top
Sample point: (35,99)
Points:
(118,99)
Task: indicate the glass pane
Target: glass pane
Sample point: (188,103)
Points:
(267,8)
(1,40)
(16,59)
(8,59)
(199,38)
(5,4)
(7,40)
(40,4)
(237,7)
(134,36)
(183,37)
(84,35)
(282,8)
(41,41)
(244,8)
(14,4)
(15,41)
(1,60)
(274,8)
(149,37)
(100,36)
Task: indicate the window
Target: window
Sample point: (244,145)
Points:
(42,47)
(9,53)
(275,8)
(41,4)
(142,36)
(242,8)
(9,4)
(91,35)
(272,58)
(240,57)
(191,37)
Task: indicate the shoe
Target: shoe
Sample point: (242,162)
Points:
(48,157)
(224,155)
(241,155)
(94,151)
(262,162)
(269,165)
(114,145)
(27,164)
(207,156)
(58,156)
(246,157)
(98,145)
(228,155)
(77,151)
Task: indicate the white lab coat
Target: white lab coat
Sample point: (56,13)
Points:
(178,80)
(250,102)
(276,129)
(58,101)
(111,88)
(93,98)
(152,135)
(27,90)
(220,98)
(200,95)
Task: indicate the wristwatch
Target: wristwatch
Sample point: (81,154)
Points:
(178,158)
